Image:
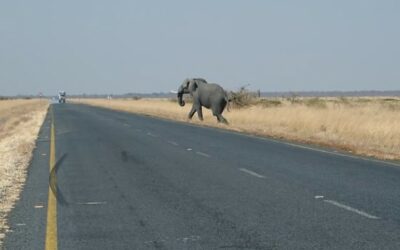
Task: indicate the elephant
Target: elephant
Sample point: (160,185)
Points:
(208,95)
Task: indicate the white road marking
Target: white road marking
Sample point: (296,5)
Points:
(203,154)
(189,149)
(191,238)
(44,154)
(38,206)
(319,197)
(252,173)
(20,224)
(92,203)
(173,143)
(152,135)
(354,210)
(152,242)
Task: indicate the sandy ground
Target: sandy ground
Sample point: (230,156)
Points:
(20,121)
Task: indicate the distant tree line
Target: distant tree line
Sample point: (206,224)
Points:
(243,91)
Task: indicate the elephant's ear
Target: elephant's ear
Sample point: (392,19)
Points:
(185,83)
(192,86)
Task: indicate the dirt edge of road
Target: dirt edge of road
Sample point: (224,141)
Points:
(20,122)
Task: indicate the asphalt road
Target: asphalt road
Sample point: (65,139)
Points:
(134,182)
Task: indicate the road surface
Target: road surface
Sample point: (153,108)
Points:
(125,181)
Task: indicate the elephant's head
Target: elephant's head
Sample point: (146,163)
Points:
(188,87)
(183,89)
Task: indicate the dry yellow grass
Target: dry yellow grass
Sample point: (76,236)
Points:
(366,126)
(20,121)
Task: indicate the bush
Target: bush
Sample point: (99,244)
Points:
(269,103)
(242,98)
(391,104)
(293,98)
(344,100)
(315,102)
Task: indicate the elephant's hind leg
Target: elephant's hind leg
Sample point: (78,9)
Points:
(221,119)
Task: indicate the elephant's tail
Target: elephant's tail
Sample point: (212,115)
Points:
(228,100)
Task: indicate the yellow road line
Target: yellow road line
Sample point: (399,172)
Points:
(51,227)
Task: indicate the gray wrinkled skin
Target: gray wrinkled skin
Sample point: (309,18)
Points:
(208,95)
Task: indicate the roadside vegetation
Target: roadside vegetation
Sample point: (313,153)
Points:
(20,121)
(362,125)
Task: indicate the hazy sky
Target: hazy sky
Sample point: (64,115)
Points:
(150,46)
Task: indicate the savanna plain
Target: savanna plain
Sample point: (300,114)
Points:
(368,126)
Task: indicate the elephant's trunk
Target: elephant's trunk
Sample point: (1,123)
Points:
(180,98)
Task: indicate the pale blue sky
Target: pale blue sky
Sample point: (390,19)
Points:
(150,46)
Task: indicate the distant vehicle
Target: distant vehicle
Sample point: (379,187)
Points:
(61,97)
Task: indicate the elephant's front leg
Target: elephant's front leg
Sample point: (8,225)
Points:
(192,111)
(200,113)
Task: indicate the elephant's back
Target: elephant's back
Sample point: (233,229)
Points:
(212,95)
(215,86)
